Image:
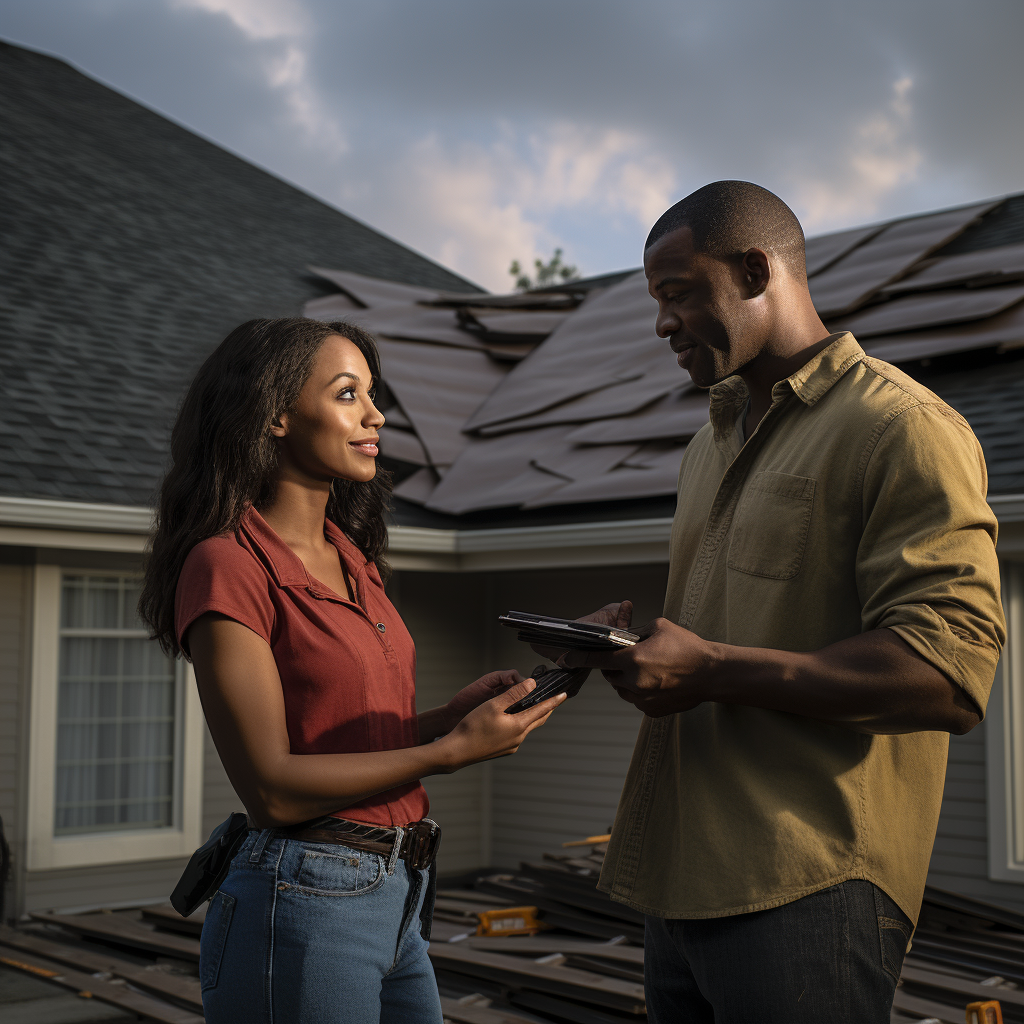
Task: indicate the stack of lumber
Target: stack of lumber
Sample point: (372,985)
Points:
(586,967)
(125,959)
(963,951)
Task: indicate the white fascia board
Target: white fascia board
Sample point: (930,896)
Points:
(75,515)
(1009,508)
(37,522)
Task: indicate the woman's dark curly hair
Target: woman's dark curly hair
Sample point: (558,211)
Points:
(224,458)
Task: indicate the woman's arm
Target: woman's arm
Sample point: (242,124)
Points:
(243,702)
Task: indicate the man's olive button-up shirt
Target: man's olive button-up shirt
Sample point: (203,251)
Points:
(858,503)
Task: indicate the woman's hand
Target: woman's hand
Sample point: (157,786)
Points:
(488,732)
(479,692)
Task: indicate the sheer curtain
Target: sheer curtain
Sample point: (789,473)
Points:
(115,713)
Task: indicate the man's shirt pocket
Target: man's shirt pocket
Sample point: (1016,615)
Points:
(770,525)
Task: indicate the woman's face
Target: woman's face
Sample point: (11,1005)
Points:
(331,431)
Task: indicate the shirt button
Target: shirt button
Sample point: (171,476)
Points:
(382,627)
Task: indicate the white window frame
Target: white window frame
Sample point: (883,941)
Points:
(47,851)
(1004,741)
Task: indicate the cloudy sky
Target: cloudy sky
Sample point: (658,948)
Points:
(479,132)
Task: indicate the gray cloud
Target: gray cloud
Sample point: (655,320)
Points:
(477,132)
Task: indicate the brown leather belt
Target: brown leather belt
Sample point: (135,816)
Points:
(416,843)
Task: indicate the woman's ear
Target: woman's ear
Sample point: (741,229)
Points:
(279,425)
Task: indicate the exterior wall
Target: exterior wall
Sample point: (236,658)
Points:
(960,857)
(564,782)
(443,613)
(15,602)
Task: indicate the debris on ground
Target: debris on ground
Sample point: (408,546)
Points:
(536,945)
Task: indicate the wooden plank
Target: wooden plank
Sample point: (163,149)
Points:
(453,1010)
(915,1006)
(126,931)
(1010,965)
(601,966)
(554,1008)
(473,896)
(542,945)
(165,916)
(977,908)
(176,987)
(107,992)
(567,982)
(971,991)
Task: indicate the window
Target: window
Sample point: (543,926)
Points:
(116,713)
(116,729)
(1005,741)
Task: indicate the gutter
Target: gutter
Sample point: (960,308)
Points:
(46,523)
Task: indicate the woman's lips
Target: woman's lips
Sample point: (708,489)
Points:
(365,447)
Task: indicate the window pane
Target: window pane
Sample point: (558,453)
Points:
(115,714)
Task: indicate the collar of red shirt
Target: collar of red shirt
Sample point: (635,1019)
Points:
(286,568)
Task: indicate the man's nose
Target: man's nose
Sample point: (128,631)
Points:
(666,324)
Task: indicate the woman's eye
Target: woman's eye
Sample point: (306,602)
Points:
(348,394)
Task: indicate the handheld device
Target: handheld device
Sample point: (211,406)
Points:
(567,634)
(550,683)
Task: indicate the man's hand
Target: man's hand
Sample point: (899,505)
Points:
(478,692)
(618,614)
(667,672)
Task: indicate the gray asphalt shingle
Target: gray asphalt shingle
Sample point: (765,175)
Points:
(131,246)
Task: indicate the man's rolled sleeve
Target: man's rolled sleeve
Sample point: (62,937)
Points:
(926,564)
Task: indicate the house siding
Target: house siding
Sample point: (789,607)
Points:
(960,856)
(15,602)
(442,612)
(565,780)
(563,783)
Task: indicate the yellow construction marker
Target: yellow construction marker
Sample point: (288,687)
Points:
(510,921)
(988,1012)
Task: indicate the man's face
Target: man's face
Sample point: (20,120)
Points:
(702,308)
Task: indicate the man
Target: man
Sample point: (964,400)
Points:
(832,614)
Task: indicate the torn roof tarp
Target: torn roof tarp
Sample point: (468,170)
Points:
(596,408)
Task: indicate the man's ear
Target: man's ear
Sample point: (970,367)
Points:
(279,425)
(757,271)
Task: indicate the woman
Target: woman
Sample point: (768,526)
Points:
(266,571)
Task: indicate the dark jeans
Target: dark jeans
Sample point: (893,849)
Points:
(833,956)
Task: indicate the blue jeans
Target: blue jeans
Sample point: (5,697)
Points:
(833,956)
(312,932)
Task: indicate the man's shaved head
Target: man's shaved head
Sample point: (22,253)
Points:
(726,218)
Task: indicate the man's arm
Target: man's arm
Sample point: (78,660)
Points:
(873,682)
(932,622)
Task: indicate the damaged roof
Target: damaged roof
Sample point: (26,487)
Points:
(131,246)
(571,402)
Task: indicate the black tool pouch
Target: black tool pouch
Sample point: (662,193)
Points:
(209,864)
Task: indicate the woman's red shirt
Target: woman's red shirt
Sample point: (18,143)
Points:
(348,670)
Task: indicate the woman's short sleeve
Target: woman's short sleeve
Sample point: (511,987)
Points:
(220,575)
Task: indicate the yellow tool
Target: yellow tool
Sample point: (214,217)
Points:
(988,1012)
(510,921)
(591,841)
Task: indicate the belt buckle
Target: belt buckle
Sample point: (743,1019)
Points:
(424,839)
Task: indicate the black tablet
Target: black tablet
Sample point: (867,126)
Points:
(567,634)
